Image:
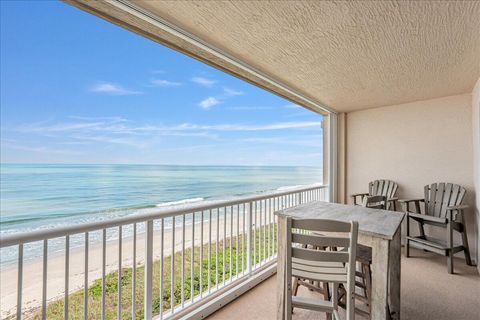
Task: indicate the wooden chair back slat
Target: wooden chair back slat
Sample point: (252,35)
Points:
(320,255)
(320,241)
(322,264)
(439,196)
(385,188)
(305,260)
(446,200)
(381,184)
(441,206)
(431,198)
(392,190)
(373,187)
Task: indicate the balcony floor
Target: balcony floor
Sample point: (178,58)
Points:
(428,292)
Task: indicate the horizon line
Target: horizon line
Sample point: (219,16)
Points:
(156,164)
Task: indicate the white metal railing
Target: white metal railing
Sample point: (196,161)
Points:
(204,249)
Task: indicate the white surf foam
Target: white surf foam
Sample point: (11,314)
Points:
(179,202)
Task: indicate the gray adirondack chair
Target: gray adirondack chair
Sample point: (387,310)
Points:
(443,208)
(386,188)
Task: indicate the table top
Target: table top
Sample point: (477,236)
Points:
(373,222)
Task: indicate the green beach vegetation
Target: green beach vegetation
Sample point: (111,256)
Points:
(55,309)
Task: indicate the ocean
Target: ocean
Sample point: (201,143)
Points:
(43,196)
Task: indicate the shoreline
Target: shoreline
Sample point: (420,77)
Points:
(33,269)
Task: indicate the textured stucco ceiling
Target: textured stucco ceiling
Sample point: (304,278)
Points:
(347,55)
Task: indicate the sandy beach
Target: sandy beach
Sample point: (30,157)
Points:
(33,269)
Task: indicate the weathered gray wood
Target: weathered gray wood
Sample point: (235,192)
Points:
(395,272)
(281,270)
(340,269)
(380,263)
(437,206)
(424,217)
(450,244)
(325,264)
(468,260)
(321,241)
(352,249)
(311,304)
(442,209)
(324,225)
(446,199)
(298,260)
(431,199)
(288,271)
(374,222)
(317,276)
(319,255)
(386,188)
(368,235)
(375,202)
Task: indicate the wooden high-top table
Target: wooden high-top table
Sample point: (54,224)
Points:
(379,229)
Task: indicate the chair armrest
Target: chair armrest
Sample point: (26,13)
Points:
(355,195)
(392,199)
(419,216)
(410,200)
(459,207)
(358,194)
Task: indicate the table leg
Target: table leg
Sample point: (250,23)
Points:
(395,272)
(281,272)
(380,255)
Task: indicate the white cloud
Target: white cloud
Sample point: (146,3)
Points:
(117,128)
(231,92)
(113,140)
(43,150)
(208,103)
(307,141)
(204,81)
(112,119)
(113,89)
(59,127)
(165,83)
(248,127)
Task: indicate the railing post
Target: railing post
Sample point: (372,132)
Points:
(299,195)
(148,270)
(249,238)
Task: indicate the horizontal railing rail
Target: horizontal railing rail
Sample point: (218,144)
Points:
(191,253)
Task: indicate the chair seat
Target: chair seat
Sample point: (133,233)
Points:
(364,254)
(425,217)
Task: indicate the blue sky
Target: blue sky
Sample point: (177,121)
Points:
(77,89)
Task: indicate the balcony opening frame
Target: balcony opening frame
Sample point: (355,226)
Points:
(133,18)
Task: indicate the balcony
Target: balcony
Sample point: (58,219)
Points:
(238,241)
(398,85)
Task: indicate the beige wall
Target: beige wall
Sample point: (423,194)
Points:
(476,154)
(414,144)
